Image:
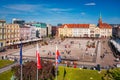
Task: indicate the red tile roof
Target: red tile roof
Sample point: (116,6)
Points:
(105,25)
(75,26)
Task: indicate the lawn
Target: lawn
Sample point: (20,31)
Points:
(4,63)
(6,75)
(71,74)
(78,74)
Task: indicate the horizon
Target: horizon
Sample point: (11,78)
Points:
(61,11)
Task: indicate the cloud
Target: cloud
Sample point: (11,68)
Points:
(9,12)
(90,4)
(60,9)
(82,13)
(22,7)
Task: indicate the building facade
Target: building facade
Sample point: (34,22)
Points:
(74,30)
(41,29)
(115,30)
(49,30)
(105,29)
(54,30)
(12,34)
(102,30)
(2,34)
(24,33)
(32,32)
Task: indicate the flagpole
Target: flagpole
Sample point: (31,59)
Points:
(21,61)
(37,74)
(57,60)
(21,72)
(38,61)
(56,72)
(56,64)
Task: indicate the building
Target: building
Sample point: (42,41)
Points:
(115,30)
(24,33)
(2,34)
(102,30)
(32,32)
(41,29)
(49,30)
(54,30)
(18,21)
(74,30)
(105,29)
(12,34)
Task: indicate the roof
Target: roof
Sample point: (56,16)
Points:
(105,25)
(75,25)
(24,27)
(41,25)
(2,21)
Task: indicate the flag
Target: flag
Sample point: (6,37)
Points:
(38,58)
(58,57)
(21,54)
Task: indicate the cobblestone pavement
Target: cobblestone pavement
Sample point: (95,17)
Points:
(72,48)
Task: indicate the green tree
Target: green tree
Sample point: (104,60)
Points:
(112,74)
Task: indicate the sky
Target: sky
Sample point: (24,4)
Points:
(61,11)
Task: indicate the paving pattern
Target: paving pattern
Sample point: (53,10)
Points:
(72,49)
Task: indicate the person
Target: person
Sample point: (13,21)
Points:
(2,57)
(75,66)
(79,45)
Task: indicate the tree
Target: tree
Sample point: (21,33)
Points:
(112,74)
(30,71)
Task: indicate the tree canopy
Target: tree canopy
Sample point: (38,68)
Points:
(30,71)
(112,74)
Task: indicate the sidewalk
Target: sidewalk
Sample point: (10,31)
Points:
(7,67)
(11,51)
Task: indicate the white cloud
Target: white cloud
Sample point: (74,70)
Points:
(82,13)
(90,4)
(22,7)
(9,12)
(60,9)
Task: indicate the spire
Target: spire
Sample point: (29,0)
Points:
(100,19)
(100,16)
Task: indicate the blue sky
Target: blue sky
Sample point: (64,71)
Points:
(61,11)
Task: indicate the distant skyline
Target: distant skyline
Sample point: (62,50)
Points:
(61,11)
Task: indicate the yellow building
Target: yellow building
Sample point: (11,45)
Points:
(65,30)
(12,34)
(102,30)
(74,30)
(2,34)
(105,29)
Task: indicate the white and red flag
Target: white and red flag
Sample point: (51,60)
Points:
(57,57)
(39,66)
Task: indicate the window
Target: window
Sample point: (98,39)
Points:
(0,24)
(0,30)
(0,36)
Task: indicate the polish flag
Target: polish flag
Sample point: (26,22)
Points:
(39,66)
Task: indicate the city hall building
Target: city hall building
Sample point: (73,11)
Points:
(102,30)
